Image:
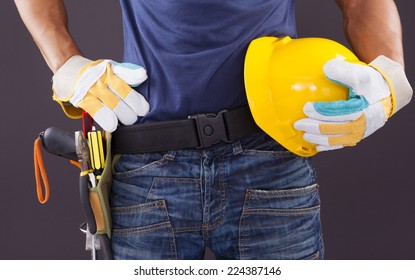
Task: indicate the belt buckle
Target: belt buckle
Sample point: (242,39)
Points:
(211,129)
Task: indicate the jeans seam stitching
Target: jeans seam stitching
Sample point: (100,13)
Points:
(141,208)
(284,212)
(143,229)
(137,171)
(284,193)
(277,154)
(187,229)
(222,188)
(242,224)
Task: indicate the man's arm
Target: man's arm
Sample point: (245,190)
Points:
(374,31)
(104,90)
(373,28)
(47,22)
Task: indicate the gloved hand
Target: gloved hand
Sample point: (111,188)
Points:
(103,89)
(377,91)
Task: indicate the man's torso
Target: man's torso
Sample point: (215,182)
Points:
(194,50)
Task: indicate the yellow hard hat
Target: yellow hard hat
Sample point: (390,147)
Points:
(281,76)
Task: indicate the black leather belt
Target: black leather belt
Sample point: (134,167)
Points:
(199,131)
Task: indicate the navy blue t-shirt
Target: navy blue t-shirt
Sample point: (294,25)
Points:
(194,50)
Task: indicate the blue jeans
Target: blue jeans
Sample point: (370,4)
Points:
(250,199)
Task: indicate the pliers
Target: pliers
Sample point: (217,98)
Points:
(87,179)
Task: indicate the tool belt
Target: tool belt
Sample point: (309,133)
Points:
(94,198)
(198,131)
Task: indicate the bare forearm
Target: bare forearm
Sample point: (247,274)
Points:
(373,28)
(47,22)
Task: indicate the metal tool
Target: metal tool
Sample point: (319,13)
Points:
(90,158)
(86,181)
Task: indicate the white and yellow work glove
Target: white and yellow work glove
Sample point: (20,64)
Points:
(376,92)
(103,89)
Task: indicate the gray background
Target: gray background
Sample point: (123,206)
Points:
(367,191)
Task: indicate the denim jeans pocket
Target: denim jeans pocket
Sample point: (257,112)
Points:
(281,224)
(143,231)
(148,213)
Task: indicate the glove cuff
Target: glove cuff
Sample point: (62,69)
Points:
(394,74)
(63,83)
(64,79)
